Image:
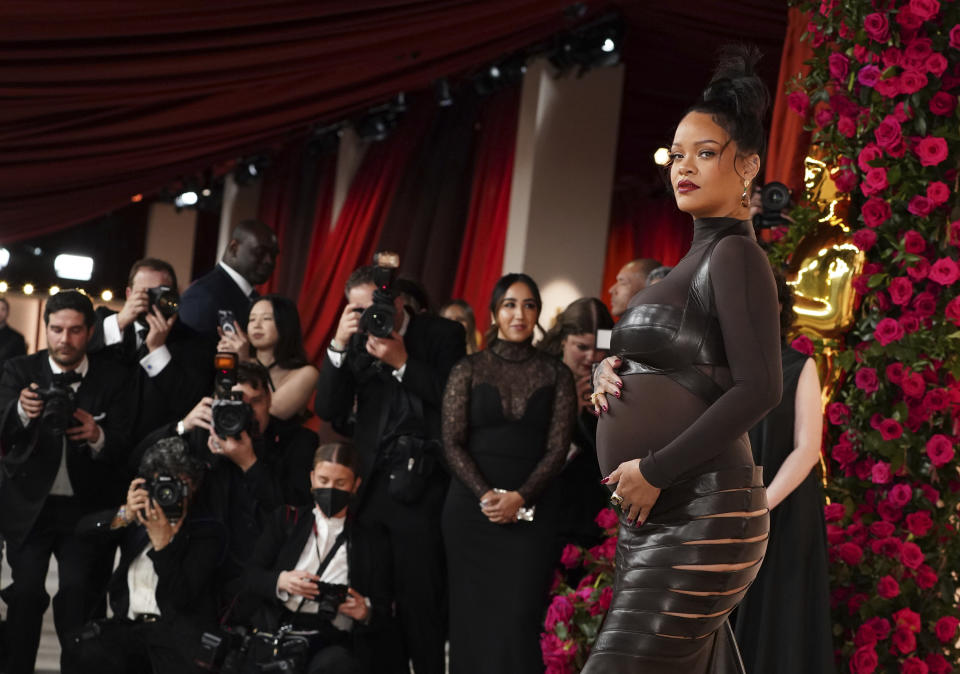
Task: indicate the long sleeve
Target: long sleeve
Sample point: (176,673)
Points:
(456,420)
(558,436)
(745,299)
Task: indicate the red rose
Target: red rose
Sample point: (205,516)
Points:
(913,385)
(888,331)
(900,494)
(942,103)
(901,290)
(936,64)
(907,618)
(895,373)
(925,9)
(952,311)
(560,610)
(823,116)
(904,640)
(557,653)
(847,127)
(890,88)
(864,636)
(911,555)
(946,628)
(603,601)
(882,529)
(844,454)
(937,664)
(869,153)
(955,36)
(875,211)
(864,239)
(888,588)
(799,102)
(838,414)
(888,547)
(833,512)
(880,627)
(891,57)
(938,192)
(944,271)
(607,519)
(803,344)
(875,180)
(936,400)
(876,26)
(839,66)
(925,577)
(920,206)
(940,450)
(845,180)
(955,233)
(850,553)
(570,556)
(925,304)
(890,429)
(912,81)
(888,132)
(930,493)
(931,150)
(914,666)
(919,270)
(880,473)
(864,660)
(866,380)
(913,242)
(919,523)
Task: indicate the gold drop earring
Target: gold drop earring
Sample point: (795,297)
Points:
(744,199)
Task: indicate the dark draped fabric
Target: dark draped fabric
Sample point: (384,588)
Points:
(645,226)
(104,100)
(481,255)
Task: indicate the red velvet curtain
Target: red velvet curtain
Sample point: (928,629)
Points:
(104,100)
(352,242)
(789,143)
(481,254)
(645,226)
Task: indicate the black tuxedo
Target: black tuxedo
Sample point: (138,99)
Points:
(186,570)
(384,409)
(12,344)
(211,292)
(37,524)
(279,549)
(170,394)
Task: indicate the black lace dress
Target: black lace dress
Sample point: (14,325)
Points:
(507,418)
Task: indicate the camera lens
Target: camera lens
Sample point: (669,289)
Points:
(775,196)
(165,495)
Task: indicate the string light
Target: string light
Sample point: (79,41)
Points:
(3,286)
(54,290)
(106,295)
(27,288)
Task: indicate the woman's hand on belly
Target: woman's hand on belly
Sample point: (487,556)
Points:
(606,382)
(638,495)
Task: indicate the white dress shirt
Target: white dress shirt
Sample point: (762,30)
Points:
(241,282)
(142,581)
(154,362)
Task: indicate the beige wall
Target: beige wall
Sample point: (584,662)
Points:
(26,316)
(240,202)
(170,236)
(563,181)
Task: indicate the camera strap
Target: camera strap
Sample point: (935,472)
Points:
(341,538)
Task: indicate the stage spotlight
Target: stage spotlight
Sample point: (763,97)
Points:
(4,257)
(136,198)
(4,287)
(53,290)
(250,169)
(27,288)
(444,99)
(74,267)
(377,124)
(106,295)
(662,156)
(206,192)
(186,198)
(608,46)
(495,72)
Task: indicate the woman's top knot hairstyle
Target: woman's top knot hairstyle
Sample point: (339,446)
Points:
(737,99)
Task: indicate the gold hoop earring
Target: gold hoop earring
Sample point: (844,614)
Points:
(744,199)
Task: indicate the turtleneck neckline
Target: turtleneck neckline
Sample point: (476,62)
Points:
(512,351)
(705,229)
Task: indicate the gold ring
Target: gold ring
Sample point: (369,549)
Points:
(593,397)
(616,499)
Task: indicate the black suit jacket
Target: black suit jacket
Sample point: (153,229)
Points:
(171,394)
(368,561)
(434,345)
(31,455)
(12,344)
(211,292)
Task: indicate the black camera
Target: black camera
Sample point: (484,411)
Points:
(774,199)
(222,651)
(231,416)
(329,599)
(169,493)
(165,298)
(378,318)
(59,404)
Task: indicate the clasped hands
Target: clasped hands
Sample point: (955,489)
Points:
(501,507)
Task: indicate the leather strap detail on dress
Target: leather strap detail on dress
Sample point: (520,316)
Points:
(675,602)
(685,579)
(705,529)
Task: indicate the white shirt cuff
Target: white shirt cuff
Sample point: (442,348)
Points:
(24,419)
(336,357)
(111,330)
(399,372)
(95,447)
(156,360)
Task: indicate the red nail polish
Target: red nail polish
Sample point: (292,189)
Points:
(605,408)
(604,480)
(620,384)
(617,393)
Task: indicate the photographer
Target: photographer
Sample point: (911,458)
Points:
(161,593)
(63,432)
(319,571)
(165,360)
(396,367)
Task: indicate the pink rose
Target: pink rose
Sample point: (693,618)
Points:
(850,553)
(911,555)
(845,180)
(870,152)
(880,473)
(876,26)
(868,76)
(888,132)
(919,523)
(952,311)
(942,103)
(866,380)
(955,36)
(931,150)
(864,660)
(864,239)
(944,271)
(914,666)
(570,556)
(912,81)
(888,331)
(925,577)
(920,206)
(940,450)
(907,618)
(833,512)
(557,653)
(904,640)
(913,385)
(838,414)
(874,181)
(839,66)
(938,192)
(803,344)
(900,494)
(799,102)
(560,611)
(901,290)
(946,629)
(913,242)
(890,429)
(607,519)
(925,9)
(875,212)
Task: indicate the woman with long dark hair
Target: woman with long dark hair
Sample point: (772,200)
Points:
(507,413)
(274,340)
(698,364)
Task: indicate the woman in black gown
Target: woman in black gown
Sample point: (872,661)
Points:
(783,625)
(507,415)
(699,365)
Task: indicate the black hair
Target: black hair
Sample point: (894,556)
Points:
(414,295)
(255,374)
(496,299)
(737,99)
(70,299)
(171,456)
(154,264)
(250,227)
(585,315)
(343,453)
(289,353)
(360,276)
(785,298)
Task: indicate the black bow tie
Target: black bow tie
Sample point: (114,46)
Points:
(67,378)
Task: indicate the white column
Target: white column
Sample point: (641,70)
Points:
(350,152)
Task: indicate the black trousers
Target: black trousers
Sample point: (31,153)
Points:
(419,571)
(76,597)
(127,647)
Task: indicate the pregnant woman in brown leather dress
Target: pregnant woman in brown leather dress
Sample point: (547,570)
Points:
(698,366)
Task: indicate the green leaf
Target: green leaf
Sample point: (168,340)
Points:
(894,174)
(849,357)
(877,280)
